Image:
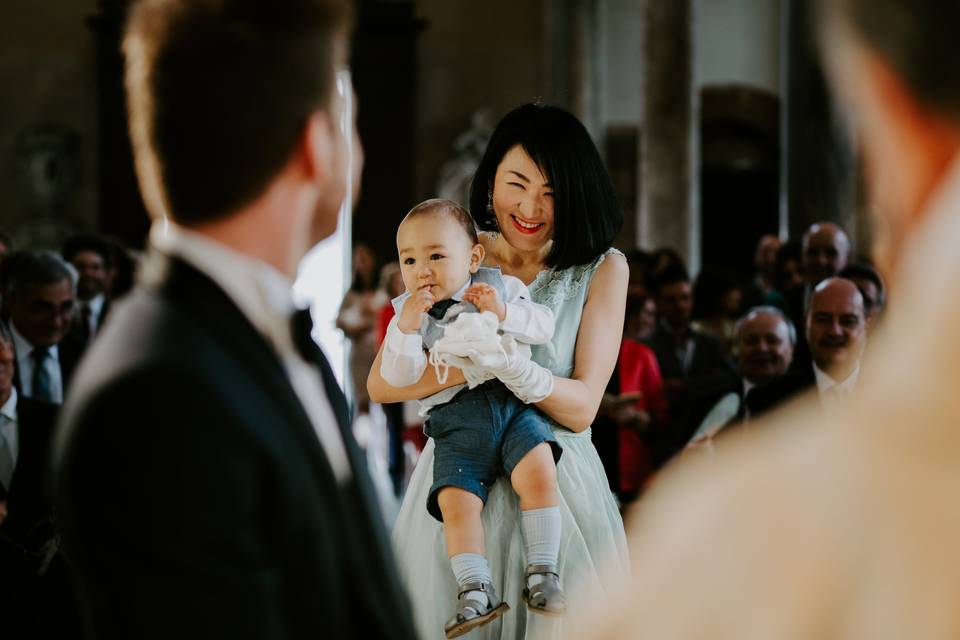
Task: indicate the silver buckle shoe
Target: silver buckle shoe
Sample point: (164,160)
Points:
(546,597)
(471,613)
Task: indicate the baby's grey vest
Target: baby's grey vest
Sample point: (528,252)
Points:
(431,329)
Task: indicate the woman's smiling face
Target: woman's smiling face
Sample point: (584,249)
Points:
(523,201)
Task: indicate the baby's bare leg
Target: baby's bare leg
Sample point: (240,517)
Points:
(534,479)
(462,527)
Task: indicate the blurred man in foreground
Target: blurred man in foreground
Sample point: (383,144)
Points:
(842,528)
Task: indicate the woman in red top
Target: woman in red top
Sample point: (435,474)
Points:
(634,404)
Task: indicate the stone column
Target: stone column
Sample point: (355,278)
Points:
(574,61)
(669,135)
(818,170)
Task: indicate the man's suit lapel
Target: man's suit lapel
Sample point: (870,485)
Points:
(209,304)
(366,520)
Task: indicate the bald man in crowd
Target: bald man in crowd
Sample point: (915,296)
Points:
(836,332)
(843,527)
(765,340)
(826,250)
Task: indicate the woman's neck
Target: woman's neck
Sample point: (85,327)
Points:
(520,264)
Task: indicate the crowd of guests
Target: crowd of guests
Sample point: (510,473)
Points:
(53,305)
(702,356)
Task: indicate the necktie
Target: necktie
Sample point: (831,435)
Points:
(301,329)
(86,316)
(6,459)
(439,309)
(41,377)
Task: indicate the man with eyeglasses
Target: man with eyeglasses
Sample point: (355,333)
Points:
(41,300)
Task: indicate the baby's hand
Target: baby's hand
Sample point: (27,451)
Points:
(413,309)
(484,297)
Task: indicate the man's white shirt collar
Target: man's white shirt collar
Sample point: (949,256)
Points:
(8,425)
(825,382)
(261,292)
(95,304)
(264,296)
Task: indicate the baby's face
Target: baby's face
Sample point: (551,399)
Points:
(436,253)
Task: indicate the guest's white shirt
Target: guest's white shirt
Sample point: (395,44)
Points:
(25,366)
(8,426)
(264,296)
(829,389)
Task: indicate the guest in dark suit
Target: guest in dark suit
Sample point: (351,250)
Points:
(765,341)
(34,579)
(41,302)
(687,359)
(208,481)
(836,333)
(90,256)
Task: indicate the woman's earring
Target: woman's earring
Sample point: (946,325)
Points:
(493,216)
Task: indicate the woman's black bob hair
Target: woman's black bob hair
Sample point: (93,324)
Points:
(586,213)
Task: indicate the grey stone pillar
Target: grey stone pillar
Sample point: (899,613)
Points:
(818,178)
(575,60)
(669,135)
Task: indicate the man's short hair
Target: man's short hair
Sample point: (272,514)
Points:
(917,38)
(767,310)
(24,269)
(442,206)
(858,270)
(219,93)
(86,242)
(670,274)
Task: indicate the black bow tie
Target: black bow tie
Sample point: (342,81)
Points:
(439,309)
(301,329)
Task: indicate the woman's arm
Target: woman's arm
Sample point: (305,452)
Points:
(382,392)
(575,400)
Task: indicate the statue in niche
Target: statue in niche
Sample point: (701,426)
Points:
(47,172)
(457,172)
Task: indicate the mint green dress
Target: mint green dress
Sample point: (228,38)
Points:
(593,542)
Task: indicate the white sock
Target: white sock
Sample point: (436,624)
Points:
(541,531)
(472,567)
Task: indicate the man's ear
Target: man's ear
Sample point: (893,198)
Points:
(476,257)
(316,148)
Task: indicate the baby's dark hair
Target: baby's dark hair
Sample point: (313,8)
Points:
(447,207)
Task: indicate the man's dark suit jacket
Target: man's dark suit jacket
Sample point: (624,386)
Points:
(33,605)
(28,498)
(194,495)
(708,360)
(78,333)
(769,396)
(701,400)
(709,369)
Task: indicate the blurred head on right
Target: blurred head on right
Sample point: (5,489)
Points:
(893,65)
